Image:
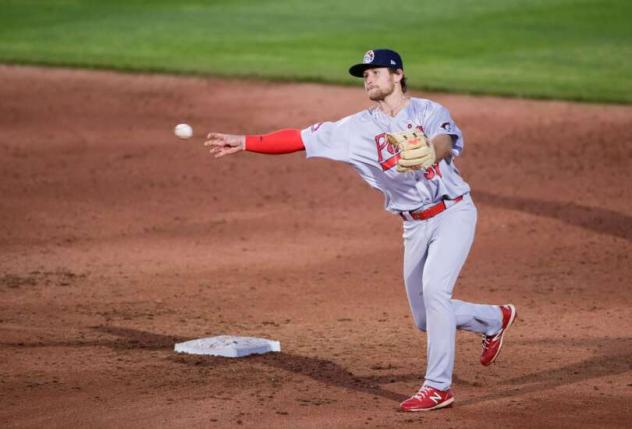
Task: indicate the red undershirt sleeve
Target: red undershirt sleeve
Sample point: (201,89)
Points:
(283,141)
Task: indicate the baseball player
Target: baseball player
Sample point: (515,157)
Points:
(406,147)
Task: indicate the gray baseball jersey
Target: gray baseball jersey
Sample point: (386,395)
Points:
(360,140)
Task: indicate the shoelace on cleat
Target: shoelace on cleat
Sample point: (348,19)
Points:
(422,393)
(488,339)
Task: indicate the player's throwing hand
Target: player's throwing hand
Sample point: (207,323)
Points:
(224,144)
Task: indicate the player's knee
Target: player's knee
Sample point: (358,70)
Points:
(436,294)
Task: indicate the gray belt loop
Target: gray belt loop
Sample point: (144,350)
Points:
(406,215)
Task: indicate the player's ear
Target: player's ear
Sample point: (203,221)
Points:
(398,74)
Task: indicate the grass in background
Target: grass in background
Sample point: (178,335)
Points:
(569,49)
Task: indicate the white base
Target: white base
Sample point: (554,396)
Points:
(228,346)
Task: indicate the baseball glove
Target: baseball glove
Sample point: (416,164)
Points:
(416,152)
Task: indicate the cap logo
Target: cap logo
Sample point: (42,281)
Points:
(368,57)
(393,63)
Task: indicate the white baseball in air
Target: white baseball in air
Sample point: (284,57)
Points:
(184,131)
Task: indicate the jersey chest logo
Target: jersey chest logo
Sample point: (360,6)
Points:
(387,156)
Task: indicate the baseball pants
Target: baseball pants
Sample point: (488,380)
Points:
(434,253)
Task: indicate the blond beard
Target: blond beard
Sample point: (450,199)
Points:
(381,94)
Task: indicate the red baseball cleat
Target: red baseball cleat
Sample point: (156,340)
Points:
(427,399)
(493,343)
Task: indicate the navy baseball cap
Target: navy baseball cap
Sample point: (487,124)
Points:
(377,58)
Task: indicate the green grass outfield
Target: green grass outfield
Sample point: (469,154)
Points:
(569,49)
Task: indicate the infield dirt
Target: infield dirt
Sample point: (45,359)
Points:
(117,240)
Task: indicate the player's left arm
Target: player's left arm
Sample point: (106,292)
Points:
(442,140)
(444,134)
(443,145)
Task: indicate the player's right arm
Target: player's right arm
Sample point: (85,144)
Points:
(323,140)
(278,142)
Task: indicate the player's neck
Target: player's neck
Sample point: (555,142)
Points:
(393,103)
